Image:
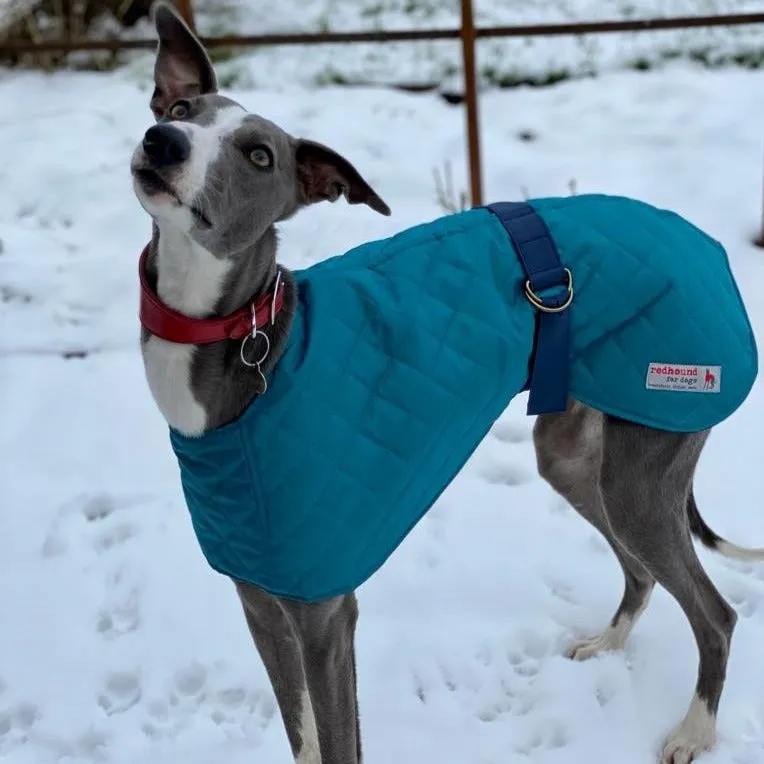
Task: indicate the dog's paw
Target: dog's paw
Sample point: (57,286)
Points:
(607,641)
(693,737)
(683,751)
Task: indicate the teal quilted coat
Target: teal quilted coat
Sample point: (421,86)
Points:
(405,351)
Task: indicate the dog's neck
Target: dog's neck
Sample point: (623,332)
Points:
(195,282)
(201,387)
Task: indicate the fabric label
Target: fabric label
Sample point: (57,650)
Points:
(683,378)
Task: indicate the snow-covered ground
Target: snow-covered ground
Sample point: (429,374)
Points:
(119,645)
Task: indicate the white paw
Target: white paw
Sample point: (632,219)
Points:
(682,750)
(584,649)
(694,736)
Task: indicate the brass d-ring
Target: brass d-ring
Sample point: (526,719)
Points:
(538,302)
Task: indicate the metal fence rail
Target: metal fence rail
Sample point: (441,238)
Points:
(468,33)
(400,35)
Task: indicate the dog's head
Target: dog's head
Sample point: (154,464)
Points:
(216,172)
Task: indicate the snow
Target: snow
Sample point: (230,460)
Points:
(119,645)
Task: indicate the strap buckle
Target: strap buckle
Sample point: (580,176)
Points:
(538,301)
(549,364)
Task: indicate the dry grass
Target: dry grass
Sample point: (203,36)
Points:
(445,195)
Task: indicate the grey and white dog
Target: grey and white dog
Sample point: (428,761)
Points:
(215,180)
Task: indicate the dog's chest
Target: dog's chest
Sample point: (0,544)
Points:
(168,372)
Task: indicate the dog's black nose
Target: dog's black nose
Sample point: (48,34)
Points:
(166,145)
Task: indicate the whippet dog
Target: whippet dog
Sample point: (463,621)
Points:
(216,180)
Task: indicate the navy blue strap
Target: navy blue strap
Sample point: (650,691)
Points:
(550,365)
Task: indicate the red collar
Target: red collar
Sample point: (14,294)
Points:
(166,323)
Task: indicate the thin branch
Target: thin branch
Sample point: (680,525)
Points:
(445,195)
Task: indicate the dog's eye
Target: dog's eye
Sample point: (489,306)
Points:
(179,110)
(260,156)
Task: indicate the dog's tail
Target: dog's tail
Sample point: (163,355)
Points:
(709,539)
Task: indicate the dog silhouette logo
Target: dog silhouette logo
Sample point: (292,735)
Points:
(709,381)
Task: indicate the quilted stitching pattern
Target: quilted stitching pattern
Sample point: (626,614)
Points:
(405,351)
(697,317)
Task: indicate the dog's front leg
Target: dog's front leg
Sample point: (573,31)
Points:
(327,632)
(275,635)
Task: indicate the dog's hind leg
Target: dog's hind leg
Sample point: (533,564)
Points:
(277,641)
(569,458)
(645,483)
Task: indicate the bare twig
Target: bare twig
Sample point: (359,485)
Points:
(444,192)
(122,9)
(43,60)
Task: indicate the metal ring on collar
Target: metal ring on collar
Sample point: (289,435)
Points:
(256,364)
(538,302)
(253,336)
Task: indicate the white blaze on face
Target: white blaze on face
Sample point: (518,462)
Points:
(206,141)
(189,181)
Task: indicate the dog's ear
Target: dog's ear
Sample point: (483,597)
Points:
(322,174)
(182,67)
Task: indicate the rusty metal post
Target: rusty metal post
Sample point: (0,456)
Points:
(468,36)
(759,240)
(187,11)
